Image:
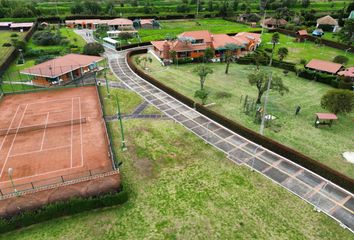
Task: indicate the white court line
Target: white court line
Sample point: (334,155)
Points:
(13,140)
(37,151)
(41,174)
(71,139)
(54,100)
(81,145)
(45,128)
(13,118)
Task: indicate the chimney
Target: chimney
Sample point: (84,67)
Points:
(166,50)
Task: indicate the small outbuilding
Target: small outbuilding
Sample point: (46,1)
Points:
(325,119)
(273,23)
(317,32)
(301,35)
(349,72)
(327,23)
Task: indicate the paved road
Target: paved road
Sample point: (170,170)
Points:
(322,194)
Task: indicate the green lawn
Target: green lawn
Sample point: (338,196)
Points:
(181,188)
(307,51)
(323,144)
(172,28)
(131,101)
(5,37)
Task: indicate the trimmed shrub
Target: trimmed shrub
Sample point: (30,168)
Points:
(7,45)
(14,35)
(94,49)
(60,209)
(44,58)
(341,59)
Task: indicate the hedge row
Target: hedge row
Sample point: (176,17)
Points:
(60,209)
(319,77)
(295,156)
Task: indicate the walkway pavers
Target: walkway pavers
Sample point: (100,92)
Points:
(322,194)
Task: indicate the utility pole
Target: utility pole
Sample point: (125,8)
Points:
(264,14)
(197,8)
(105,77)
(119,115)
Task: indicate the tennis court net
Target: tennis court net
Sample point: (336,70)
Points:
(4,132)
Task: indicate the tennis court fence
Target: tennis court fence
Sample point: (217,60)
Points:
(48,182)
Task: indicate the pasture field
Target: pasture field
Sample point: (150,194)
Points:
(227,91)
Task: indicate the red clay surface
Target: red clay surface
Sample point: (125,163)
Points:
(41,157)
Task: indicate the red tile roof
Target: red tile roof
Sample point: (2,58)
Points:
(324,66)
(61,65)
(246,37)
(203,34)
(349,72)
(326,116)
(302,32)
(120,21)
(220,40)
(146,21)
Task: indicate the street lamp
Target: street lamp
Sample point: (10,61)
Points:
(119,115)
(10,171)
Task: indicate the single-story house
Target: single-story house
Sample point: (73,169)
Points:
(301,35)
(21,26)
(349,72)
(273,23)
(5,25)
(113,24)
(62,69)
(146,23)
(194,43)
(327,23)
(324,66)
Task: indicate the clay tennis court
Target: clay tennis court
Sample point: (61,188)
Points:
(50,134)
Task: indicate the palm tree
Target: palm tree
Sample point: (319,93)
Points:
(275,40)
(202,71)
(229,54)
(282,53)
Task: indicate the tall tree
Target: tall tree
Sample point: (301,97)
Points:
(209,54)
(260,79)
(230,49)
(346,34)
(282,53)
(202,71)
(338,101)
(274,41)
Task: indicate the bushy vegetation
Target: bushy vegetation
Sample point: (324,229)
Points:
(94,49)
(338,101)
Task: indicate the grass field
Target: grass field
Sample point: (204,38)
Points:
(181,188)
(307,51)
(175,27)
(323,144)
(5,37)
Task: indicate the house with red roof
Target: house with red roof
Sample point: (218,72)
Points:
(349,72)
(324,66)
(62,70)
(194,43)
(113,24)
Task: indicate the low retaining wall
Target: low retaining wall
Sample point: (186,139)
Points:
(293,155)
(95,185)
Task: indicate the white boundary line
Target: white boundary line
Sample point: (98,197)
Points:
(45,128)
(41,174)
(54,100)
(71,138)
(37,151)
(13,118)
(81,135)
(13,140)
